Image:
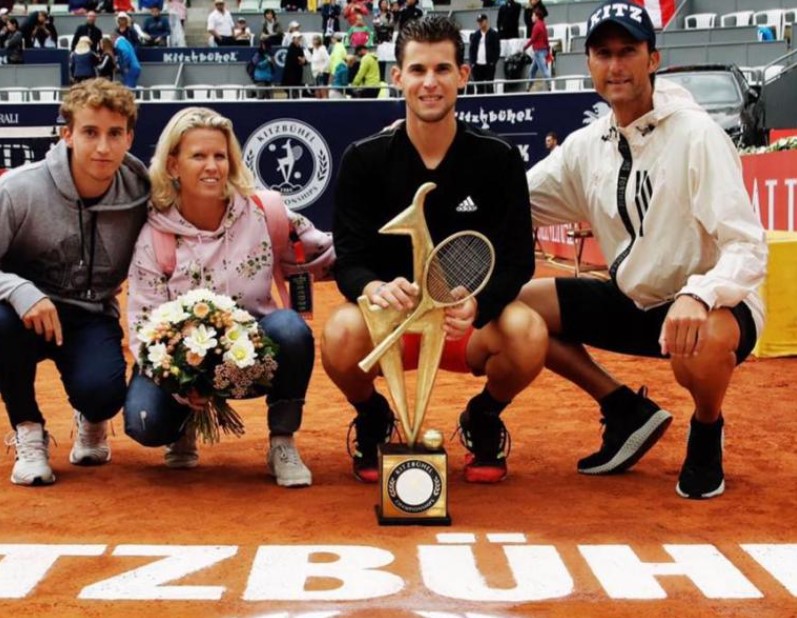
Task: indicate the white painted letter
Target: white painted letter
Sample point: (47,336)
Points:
(281,573)
(24,566)
(779,560)
(624,576)
(451,571)
(791,183)
(771,184)
(146,583)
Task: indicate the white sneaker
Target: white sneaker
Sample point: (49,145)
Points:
(91,446)
(32,466)
(183,453)
(285,465)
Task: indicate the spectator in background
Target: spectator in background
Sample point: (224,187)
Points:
(368,74)
(41,31)
(271,27)
(410,11)
(157,28)
(551,142)
(106,67)
(528,11)
(125,29)
(354,8)
(177,7)
(359,34)
(330,20)
(319,65)
(293,5)
(14,42)
(220,24)
(81,7)
(337,53)
(293,28)
(484,51)
(90,30)
(126,61)
(123,6)
(384,22)
(261,68)
(241,33)
(3,25)
(509,20)
(293,71)
(340,78)
(82,61)
(540,47)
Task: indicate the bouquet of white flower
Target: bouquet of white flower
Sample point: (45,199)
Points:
(203,344)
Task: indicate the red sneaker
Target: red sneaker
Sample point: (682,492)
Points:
(493,471)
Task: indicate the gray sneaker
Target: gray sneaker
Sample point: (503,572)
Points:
(285,465)
(32,445)
(183,453)
(91,446)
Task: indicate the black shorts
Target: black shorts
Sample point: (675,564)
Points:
(596,313)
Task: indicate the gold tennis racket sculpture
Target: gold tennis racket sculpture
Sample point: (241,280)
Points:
(413,478)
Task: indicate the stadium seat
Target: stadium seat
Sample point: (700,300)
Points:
(699,20)
(13,95)
(771,17)
(577,29)
(163,92)
(559,32)
(739,18)
(229,92)
(270,4)
(790,16)
(465,34)
(199,92)
(772,71)
(45,94)
(427,5)
(65,41)
(59,9)
(249,6)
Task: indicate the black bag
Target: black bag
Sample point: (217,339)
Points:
(514,65)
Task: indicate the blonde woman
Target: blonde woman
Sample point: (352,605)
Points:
(82,61)
(319,64)
(202,194)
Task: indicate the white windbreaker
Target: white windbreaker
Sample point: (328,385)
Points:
(672,217)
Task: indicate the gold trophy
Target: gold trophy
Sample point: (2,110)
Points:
(413,476)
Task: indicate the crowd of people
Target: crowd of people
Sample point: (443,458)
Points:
(684,271)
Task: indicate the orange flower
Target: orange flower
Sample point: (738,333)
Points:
(194,359)
(201,310)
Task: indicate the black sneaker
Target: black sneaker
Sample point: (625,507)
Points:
(630,430)
(488,441)
(369,430)
(701,475)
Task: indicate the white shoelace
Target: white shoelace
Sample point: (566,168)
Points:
(288,455)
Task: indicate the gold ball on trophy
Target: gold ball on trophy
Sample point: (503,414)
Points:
(432,439)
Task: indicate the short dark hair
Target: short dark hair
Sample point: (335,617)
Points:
(430,29)
(552,134)
(359,48)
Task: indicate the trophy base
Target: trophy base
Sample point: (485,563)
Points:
(413,486)
(404,521)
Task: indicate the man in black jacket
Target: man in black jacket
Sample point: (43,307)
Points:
(480,185)
(485,49)
(90,30)
(508,20)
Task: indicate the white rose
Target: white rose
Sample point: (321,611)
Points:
(225,303)
(201,339)
(156,354)
(241,316)
(199,295)
(242,353)
(171,312)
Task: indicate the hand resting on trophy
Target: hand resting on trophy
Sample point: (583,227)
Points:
(457,269)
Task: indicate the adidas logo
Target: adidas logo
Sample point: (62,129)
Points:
(467,205)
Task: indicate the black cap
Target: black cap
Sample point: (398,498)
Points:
(632,17)
(481,17)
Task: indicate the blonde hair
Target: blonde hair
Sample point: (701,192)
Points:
(164,192)
(98,93)
(83,45)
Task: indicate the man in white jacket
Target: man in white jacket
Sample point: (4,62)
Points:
(660,184)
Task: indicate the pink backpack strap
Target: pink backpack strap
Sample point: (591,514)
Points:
(165,246)
(278,225)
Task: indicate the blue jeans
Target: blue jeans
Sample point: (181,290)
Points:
(540,62)
(154,418)
(90,362)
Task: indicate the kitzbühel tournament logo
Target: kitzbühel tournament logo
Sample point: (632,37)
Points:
(291,157)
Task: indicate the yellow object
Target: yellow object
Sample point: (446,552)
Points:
(779,292)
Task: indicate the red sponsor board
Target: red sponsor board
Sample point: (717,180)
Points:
(771,181)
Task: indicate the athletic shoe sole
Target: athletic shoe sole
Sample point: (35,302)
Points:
(635,447)
(291,483)
(36,482)
(87,460)
(711,494)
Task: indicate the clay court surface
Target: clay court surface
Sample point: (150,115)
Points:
(229,501)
